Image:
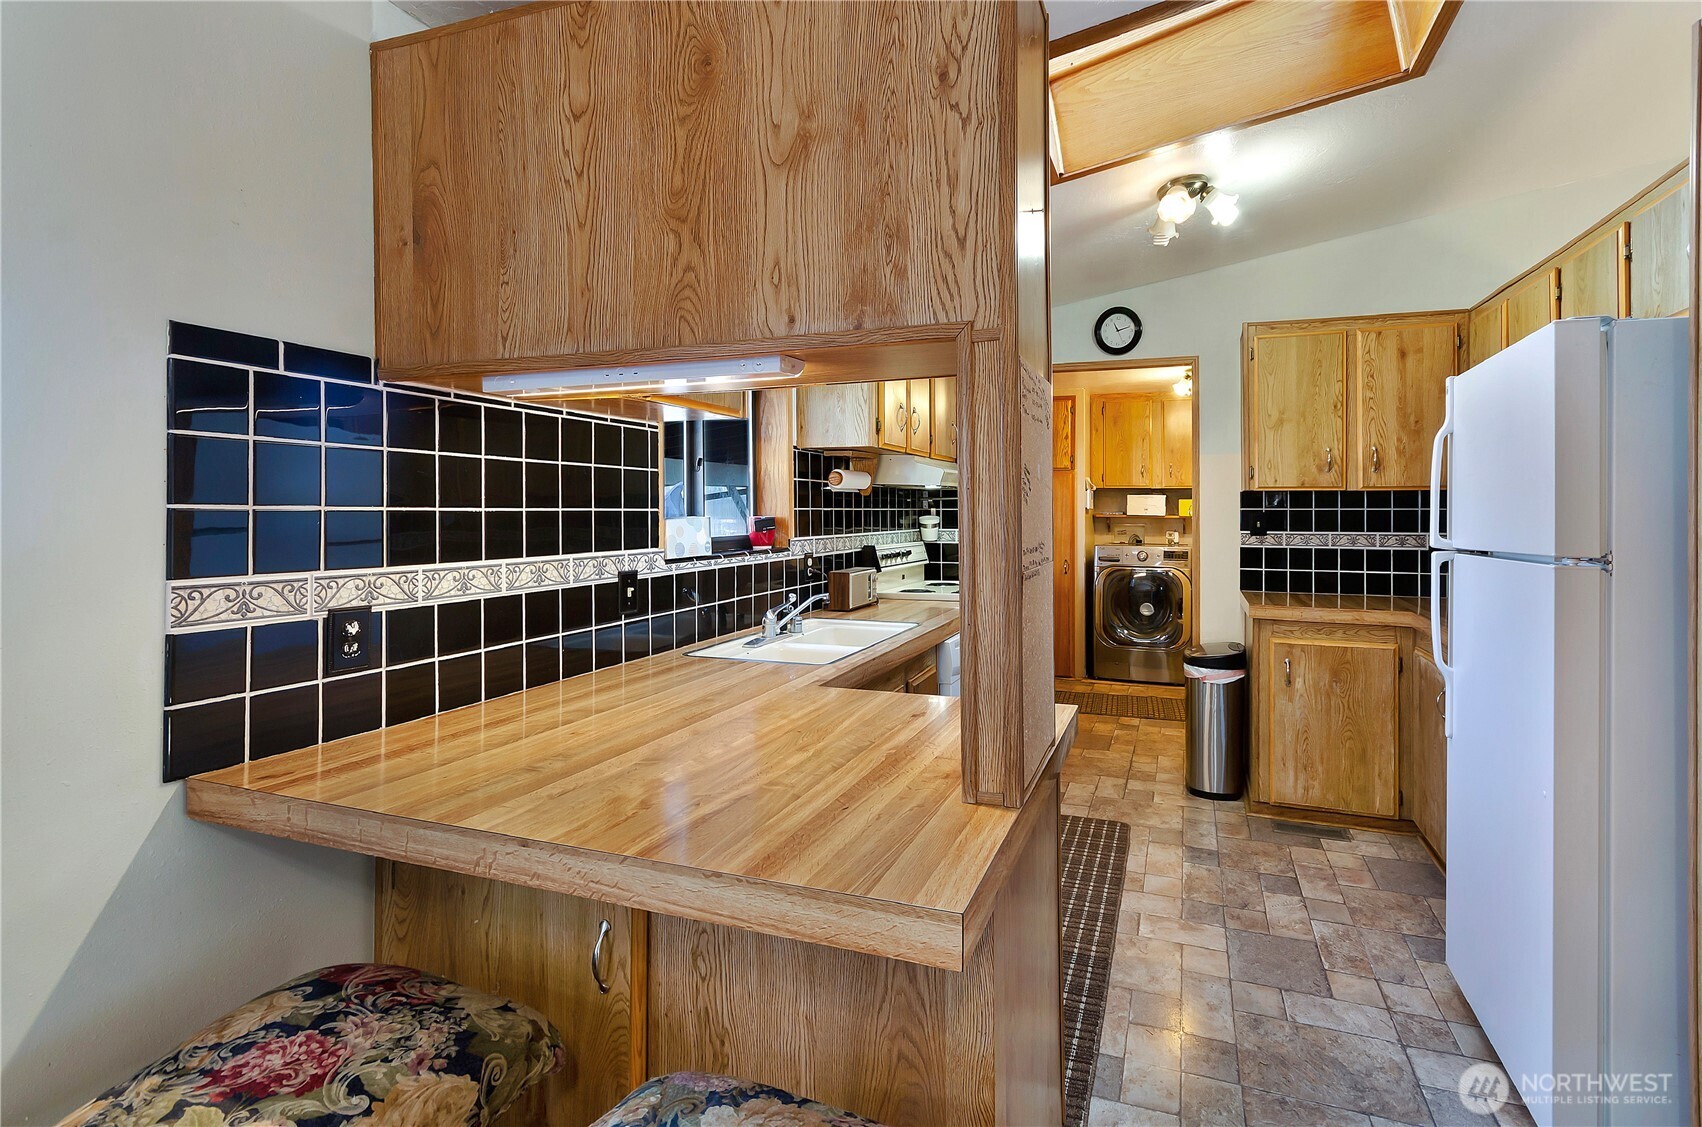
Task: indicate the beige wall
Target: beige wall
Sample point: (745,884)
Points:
(1443,261)
(206,162)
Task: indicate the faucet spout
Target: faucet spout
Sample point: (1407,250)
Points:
(788,616)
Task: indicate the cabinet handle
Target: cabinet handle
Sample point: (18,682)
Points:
(597,957)
(1288,671)
(1376,460)
(1441,711)
(1329,460)
(915,421)
(1249,473)
(901,413)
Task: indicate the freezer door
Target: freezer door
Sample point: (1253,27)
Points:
(1525,702)
(1528,446)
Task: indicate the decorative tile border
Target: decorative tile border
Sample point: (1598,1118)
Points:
(207,604)
(1336,539)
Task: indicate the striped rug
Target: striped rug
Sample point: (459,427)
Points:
(1125,704)
(1094,855)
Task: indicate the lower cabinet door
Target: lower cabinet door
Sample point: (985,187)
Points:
(1425,755)
(545,949)
(1332,707)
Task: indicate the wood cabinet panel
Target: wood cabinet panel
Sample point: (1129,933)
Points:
(921,400)
(1177,424)
(1530,306)
(1659,286)
(1399,374)
(944,425)
(1064,563)
(1298,410)
(837,416)
(1424,754)
(1331,714)
(1064,432)
(534,947)
(893,433)
(1121,448)
(1590,277)
(1486,333)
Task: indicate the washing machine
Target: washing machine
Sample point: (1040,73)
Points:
(1141,596)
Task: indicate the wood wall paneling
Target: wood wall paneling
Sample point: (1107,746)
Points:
(1064,432)
(775,427)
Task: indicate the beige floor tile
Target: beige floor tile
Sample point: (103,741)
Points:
(1203,1056)
(1250,997)
(1211,1103)
(1111,1113)
(1203,960)
(1242,920)
(1157,1011)
(1410,999)
(1181,931)
(1352,988)
(1333,1013)
(1471,1041)
(1206,1009)
(1157,1089)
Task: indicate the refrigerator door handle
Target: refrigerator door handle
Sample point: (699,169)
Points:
(1437,447)
(1437,559)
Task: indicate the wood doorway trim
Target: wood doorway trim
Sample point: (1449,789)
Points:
(1082,461)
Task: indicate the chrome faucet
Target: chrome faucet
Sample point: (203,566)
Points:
(788,617)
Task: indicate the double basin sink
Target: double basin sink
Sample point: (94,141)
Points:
(820,643)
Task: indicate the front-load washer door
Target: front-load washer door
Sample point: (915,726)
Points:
(1146,607)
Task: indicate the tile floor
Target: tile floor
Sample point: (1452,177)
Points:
(1261,976)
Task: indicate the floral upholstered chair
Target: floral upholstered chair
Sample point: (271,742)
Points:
(359,1044)
(696,1099)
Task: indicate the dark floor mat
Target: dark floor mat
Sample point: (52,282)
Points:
(1124,704)
(1094,854)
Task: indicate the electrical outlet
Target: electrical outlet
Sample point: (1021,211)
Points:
(348,639)
(810,571)
(628,581)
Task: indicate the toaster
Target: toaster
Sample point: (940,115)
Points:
(851,588)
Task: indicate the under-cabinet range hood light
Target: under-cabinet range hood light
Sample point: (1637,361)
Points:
(668,376)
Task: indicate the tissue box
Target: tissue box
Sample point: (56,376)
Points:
(1145,505)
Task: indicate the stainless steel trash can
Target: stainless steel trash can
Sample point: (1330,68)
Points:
(1216,677)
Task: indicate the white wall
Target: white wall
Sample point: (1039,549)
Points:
(1446,261)
(207,162)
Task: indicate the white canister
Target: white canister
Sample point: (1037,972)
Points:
(930,527)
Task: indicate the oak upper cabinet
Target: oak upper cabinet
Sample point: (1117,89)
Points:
(1589,275)
(1486,333)
(943,445)
(1401,396)
(1063,432)
(839,416)
(1177,424)
(1424,753)
(894,429)
(921,438)
(1330,708)
(1657,239)
(1531,304)
(1121,450)
(1295,409)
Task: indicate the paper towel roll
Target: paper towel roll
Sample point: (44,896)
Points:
(848,481)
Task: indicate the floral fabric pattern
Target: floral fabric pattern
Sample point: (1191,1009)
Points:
(696,1099)
(358,1045)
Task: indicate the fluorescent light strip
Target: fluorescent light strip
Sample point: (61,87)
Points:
(667,376)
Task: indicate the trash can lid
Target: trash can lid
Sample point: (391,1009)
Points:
(1216,655)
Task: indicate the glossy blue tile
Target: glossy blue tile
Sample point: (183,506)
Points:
(311,361)
(505,671)
(207,542)
(354,415)
(285,540)
(207,471)
(206,397)
(351,705)
(354,539)
(204,737)
(460,681)
(286,407)
(286,474)
(460,536)
(460,427)
(204,666)
(283,653)
(505,535)
(410,421)
(409,693)
(577,653)
(222,344)
(412,480)
(503,620)
(353,478)
(410,635)
(543,436)
(460,482)
(459,626)
(543,661)
(503,432)
(412,538)
(283,721)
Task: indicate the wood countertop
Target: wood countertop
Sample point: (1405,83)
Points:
(1357,610)
(758,795)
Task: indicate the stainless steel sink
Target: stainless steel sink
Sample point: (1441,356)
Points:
(821,643)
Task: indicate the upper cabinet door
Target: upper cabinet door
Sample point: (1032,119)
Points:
(894,429)
(1121,437)
(1590,276)
(1658,239)
(921,418)
(1177,471)
(1298,410)
(1400,371)
(1531,306)
(1486,334)
(944,445)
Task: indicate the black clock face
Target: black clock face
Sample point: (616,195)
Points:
(1118,330)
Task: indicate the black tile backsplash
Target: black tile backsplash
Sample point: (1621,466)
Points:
(1330,542)
(315,467)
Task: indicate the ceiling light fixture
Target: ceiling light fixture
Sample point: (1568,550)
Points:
(1178,199)
(1184,386)
(668,375)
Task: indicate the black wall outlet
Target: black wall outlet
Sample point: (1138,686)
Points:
(628,583)
(348,639)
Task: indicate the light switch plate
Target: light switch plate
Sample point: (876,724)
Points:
(627,582)
(348,639)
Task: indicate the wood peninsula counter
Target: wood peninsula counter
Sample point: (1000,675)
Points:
(773,871)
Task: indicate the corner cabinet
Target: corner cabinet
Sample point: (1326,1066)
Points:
(1424,753)
(900,416)
(1348,403)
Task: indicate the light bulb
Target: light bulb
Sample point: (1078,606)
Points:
(1222,206)
(1184,386)
(1176,205)
(1162,231)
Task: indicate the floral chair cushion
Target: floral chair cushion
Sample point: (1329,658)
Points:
(377,1046)
(696,1099)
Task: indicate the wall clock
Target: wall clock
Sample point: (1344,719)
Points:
(1118,330)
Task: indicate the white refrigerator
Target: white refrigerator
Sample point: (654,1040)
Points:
(1562,648)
